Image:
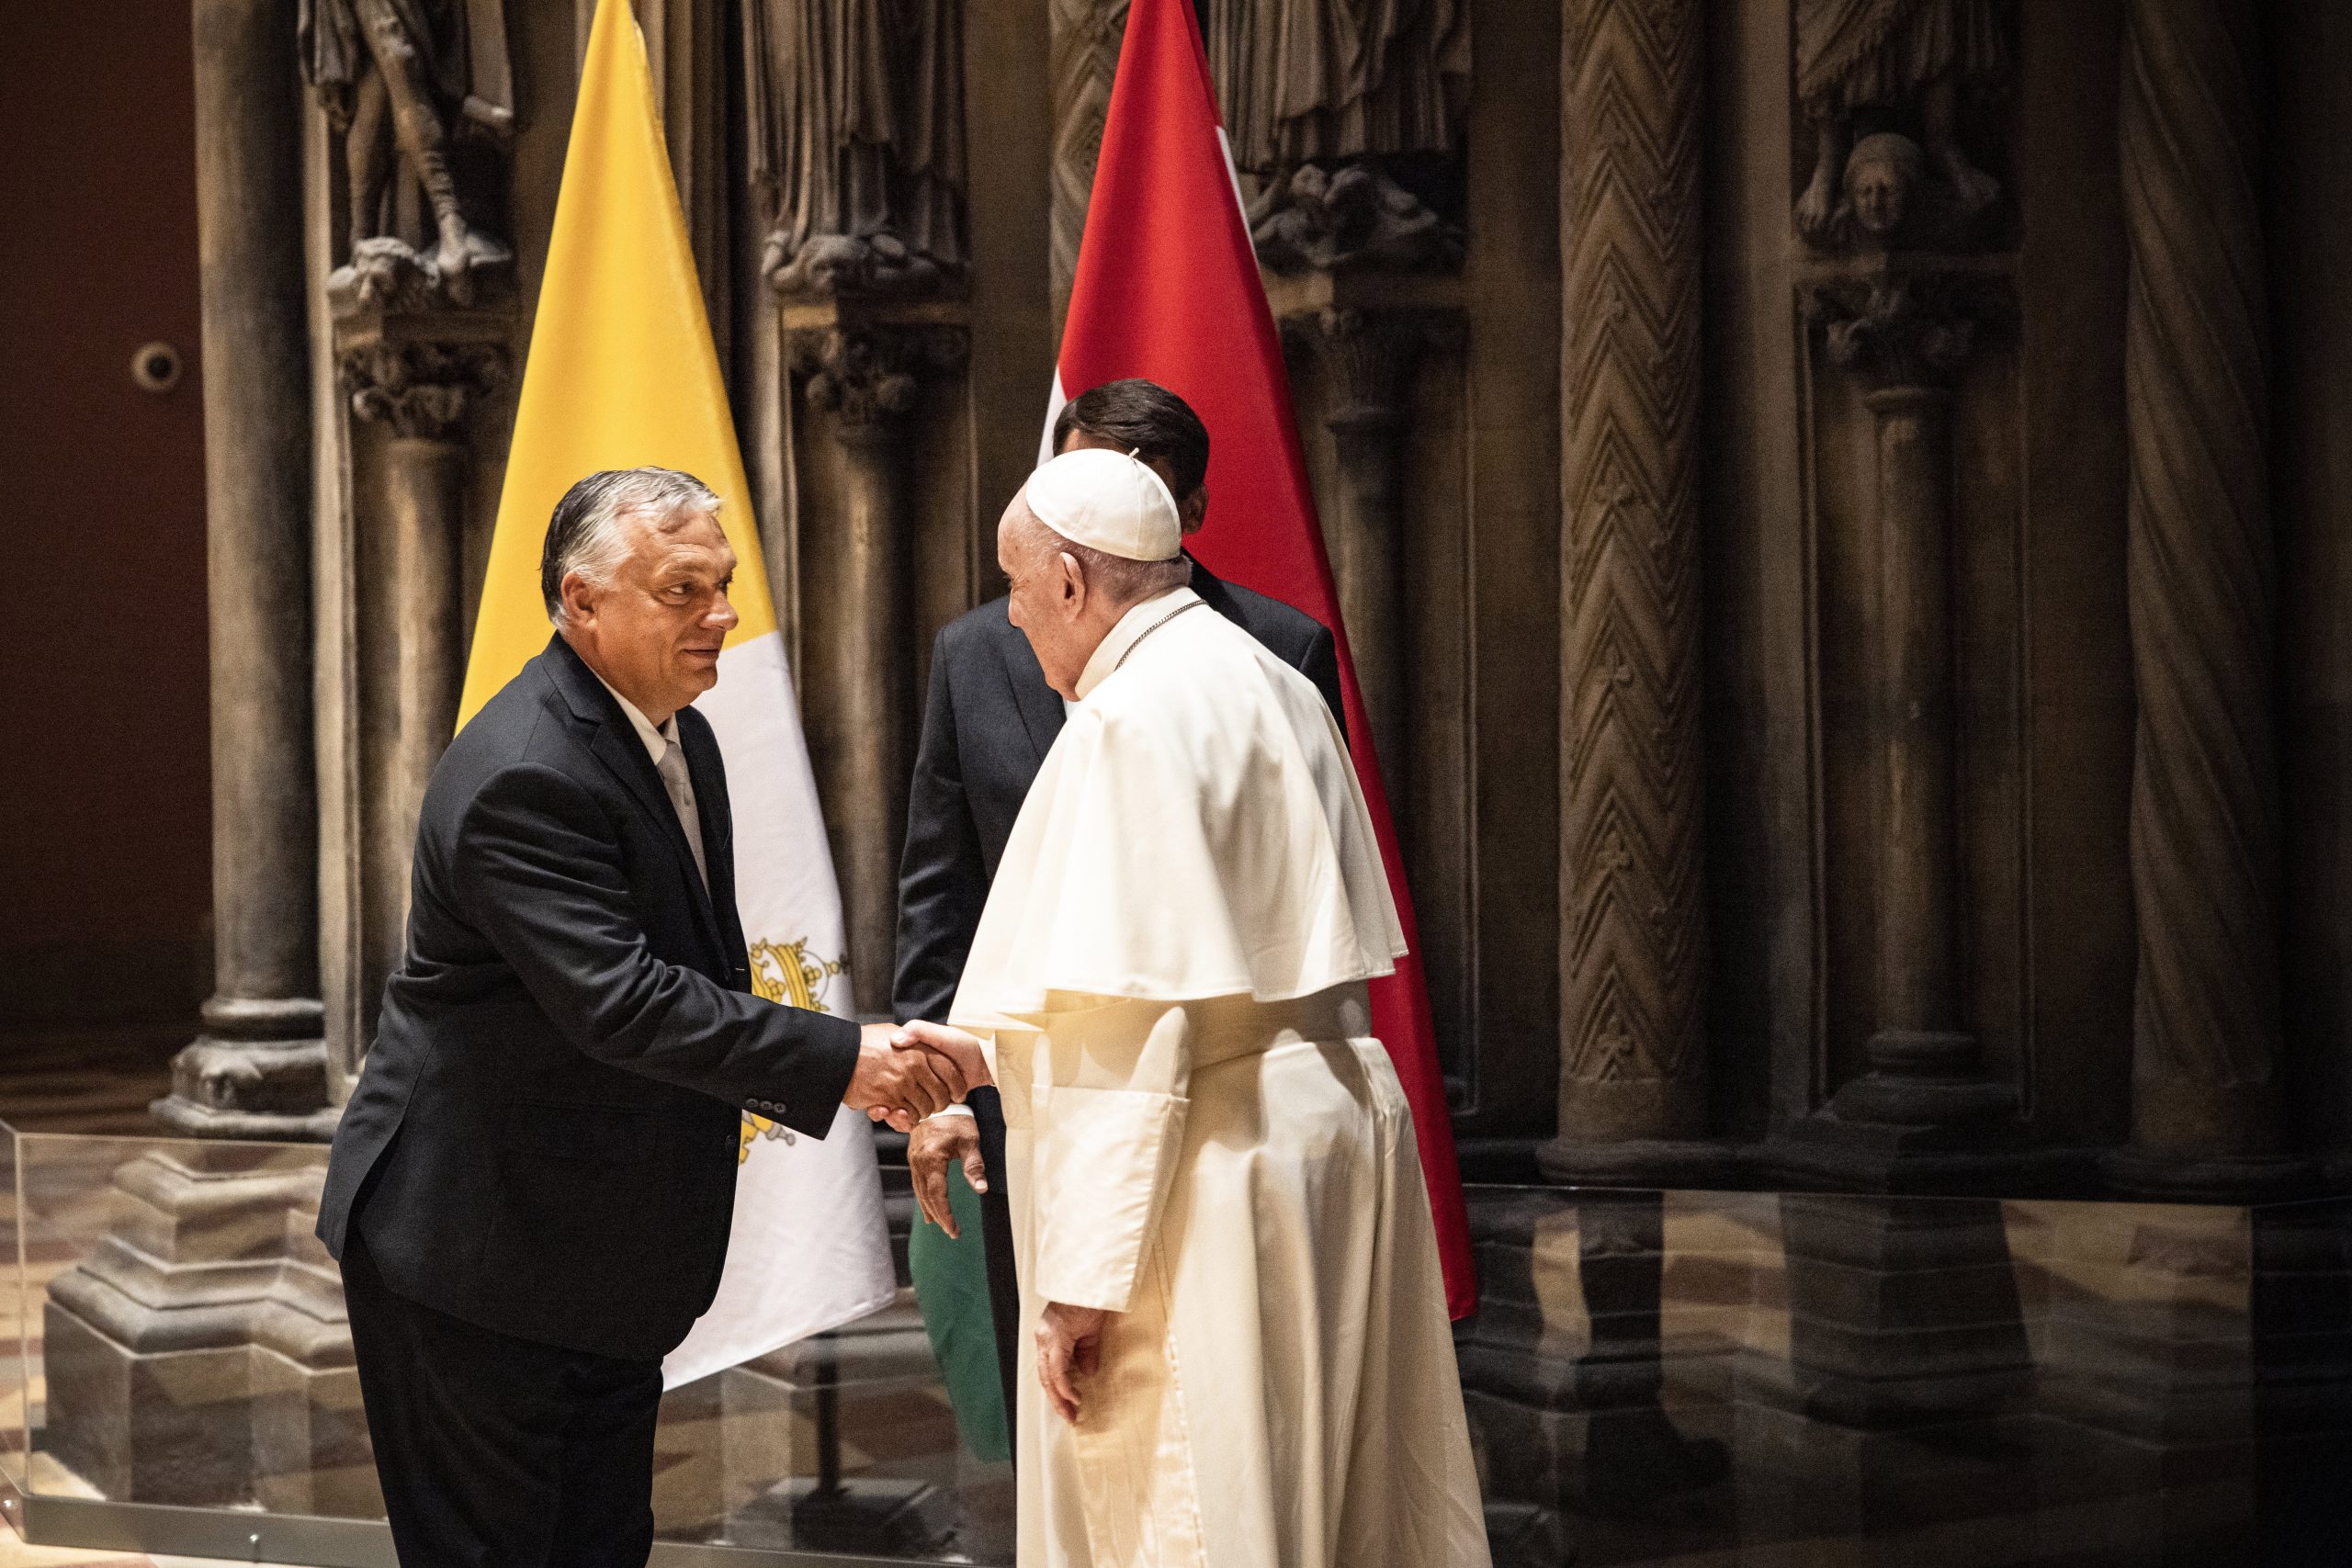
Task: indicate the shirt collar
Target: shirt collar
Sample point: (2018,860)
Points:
(1140,618)
(657,741)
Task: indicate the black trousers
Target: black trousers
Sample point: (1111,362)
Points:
(499,1452)
(995,1244)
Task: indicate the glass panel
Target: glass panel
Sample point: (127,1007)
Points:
(1901,1381)
(188,1347)
(16,1319)
(1668,1377)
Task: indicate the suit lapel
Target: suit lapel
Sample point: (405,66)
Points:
(1040,707)
(615,744)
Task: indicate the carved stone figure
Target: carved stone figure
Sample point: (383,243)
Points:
(1357,217)
(1342,88)
(1883,58)
(857,136)
(405,80)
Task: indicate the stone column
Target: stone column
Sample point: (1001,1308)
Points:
(414,378)
(1085,55)
(1634,928)
(259,1068)
(2205,1099)
(866,379)
(1905,330)
(1368,357)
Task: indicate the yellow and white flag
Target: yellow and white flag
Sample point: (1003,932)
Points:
(622,372)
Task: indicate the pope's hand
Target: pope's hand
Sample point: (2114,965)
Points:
(931,1148)
(1069,1344)
(900,1079)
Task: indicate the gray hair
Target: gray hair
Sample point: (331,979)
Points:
(586,534)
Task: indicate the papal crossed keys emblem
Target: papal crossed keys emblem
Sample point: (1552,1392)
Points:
(786,973)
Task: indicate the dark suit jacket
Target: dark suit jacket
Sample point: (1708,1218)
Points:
(543,1140)
(987,724)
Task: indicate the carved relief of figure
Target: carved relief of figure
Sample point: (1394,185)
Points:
(1854,56)
(400,81)
(1317,95)
(857,135)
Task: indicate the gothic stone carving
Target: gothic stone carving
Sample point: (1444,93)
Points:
(1634,948)
(1328,102)
(1086,35)
(1882,85)
(869,377)
(424,86)
(857,137)
(2204,587)
(419,388)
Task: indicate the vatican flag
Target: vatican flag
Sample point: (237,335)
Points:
(623,373)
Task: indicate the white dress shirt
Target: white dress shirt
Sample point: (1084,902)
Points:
(669,760)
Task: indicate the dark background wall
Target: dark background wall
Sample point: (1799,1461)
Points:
(105,821)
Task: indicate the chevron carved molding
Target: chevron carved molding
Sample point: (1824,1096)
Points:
(1634,939)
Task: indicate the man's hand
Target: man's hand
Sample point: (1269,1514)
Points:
(899,1080)
(951,1046)
(931,1148)
(1069,1344)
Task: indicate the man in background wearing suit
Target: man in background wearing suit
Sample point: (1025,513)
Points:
(988,722)
(531,1188)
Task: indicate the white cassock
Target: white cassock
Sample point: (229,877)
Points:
(1204,1140)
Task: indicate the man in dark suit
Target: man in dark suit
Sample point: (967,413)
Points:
(988,722)
(531,1188)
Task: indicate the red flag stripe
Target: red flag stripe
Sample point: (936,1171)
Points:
(1168,288)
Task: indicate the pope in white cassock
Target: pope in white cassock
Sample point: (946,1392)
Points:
(1238,1352)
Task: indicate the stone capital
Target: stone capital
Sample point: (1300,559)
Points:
(419,387)
(1901,326)
(1370,354)
(869,376)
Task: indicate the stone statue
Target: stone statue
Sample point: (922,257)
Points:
(857,135)
(1345,89)
(1861,56)
(409,79)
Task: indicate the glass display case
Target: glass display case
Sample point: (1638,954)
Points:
(1700,1378)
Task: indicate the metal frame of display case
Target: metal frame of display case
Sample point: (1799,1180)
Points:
(243,1536)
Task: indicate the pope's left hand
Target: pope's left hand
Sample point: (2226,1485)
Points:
(1069,1344)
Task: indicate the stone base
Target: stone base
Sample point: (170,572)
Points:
(200,1354)
(1646,1163)
(1828,1151)
(2179,1178)
(234,1086)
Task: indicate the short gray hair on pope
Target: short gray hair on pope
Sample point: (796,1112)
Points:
(1124,581)
(586,534)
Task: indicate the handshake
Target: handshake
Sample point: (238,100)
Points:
(906,1072)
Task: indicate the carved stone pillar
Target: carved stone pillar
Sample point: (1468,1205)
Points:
(414,378)
(1368,357)
(1633,944)
(867,381)
(2205,1102)
(259,1068)
(1085,54)
(1904,331)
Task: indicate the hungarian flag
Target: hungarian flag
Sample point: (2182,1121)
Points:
(1168,288)
(623,374)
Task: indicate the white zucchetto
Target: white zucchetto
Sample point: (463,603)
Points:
(1107,501)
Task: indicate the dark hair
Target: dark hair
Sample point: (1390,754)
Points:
(582,535)
(1146,418)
